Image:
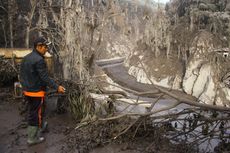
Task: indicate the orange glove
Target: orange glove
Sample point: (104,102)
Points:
(61,89)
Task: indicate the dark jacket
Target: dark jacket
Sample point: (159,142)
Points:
(34,73)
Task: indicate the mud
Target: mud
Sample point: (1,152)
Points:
(13,130)
(60,138)
(99,137)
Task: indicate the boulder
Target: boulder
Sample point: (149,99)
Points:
(203,6)
(208,7)
(212,7)
(227,7)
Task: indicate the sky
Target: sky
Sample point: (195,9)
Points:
(143,1)
(162,1)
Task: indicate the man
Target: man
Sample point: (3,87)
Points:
(35,79)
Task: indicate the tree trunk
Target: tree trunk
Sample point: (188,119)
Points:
(29,18)
(10,19)
(27,37)
(168,46)
(4,34)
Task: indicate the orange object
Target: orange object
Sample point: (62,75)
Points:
(35,94)
(40,114)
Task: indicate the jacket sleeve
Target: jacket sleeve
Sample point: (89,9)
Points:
(43,73)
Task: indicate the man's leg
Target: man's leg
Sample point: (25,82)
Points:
(24,112)
(44,122)
(34,120)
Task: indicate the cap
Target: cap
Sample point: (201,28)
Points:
(41,41)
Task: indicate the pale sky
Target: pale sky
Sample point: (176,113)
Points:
(162,1)
(143,1)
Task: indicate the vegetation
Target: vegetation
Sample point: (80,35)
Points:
(84,30)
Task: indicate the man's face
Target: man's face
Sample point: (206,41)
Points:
(42,49)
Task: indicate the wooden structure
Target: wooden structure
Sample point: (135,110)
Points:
(17,54)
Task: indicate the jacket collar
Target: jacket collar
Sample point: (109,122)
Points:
(35,51)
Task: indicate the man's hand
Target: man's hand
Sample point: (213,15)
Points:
(61,89)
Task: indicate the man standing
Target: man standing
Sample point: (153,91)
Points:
(35,79)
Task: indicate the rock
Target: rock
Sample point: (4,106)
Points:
(208,7)
(201,81)
(205,69)
(212,7)
(227,7)
(203,6)
(203,1)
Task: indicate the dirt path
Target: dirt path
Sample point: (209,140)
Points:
(61,137)
(13,134)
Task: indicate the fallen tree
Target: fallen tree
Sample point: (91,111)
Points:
(180,117)
(194,125)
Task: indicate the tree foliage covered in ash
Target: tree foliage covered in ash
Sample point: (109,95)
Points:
(51,18)
(8,71)
(188,17)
